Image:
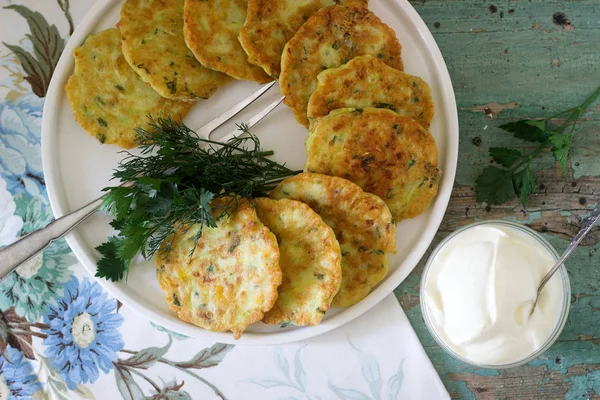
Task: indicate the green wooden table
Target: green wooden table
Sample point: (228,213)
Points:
(511,60)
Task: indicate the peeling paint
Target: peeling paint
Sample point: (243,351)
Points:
(529,218)
(555,62)
(492,110)
(566,214)
(536,26)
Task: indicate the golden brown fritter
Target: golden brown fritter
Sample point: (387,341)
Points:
(271,23)
(330,38)
(310,261)
(368,82)
(231,279)
(384,153)
(211,29)
(109,100)
(362,224)
(152,36)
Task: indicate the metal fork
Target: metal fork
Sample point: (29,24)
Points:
(27,247)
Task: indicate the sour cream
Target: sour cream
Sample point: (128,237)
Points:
(479,290)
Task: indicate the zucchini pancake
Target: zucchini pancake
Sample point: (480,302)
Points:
(109,100)
(362,224)
(271,23)
(330,38)
(231,279)
(152,35)
(386,154)
(310,261)
(368,82)
(211,29)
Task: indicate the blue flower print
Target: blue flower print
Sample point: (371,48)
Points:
(17,380)
(83,333)
(20,145)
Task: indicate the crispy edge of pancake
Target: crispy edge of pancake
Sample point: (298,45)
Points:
(86,96)
(200,41)
(367,256)
(265,18)
(174,74)
(178,290)
(397,161)
(301,65)
(336,88)
(300,230)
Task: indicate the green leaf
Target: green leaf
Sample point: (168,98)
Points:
(348,394)
(524,184)
(504,156)
(117,201)
(147,357)
(561,144)
(127,386)
(131,241)
(111,266)
(84,392)
(529,130)
(47,48)
(494,186)
(207,358)
(395,382)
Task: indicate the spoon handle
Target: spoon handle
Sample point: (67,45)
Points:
(25,248)
(586,227)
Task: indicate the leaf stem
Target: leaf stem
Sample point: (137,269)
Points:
(207,383)
(577,110)
(136,372)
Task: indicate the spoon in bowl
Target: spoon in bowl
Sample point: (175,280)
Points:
(586,227)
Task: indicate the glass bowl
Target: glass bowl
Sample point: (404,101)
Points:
(566,303)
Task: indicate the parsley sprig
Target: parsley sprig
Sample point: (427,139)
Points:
(497,185)
(172,185)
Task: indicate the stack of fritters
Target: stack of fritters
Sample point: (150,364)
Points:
(109,100)
(322,237)
(318,241)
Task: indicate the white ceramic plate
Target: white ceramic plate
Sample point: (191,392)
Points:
(77,167)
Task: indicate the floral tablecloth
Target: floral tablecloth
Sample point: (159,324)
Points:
(63,337)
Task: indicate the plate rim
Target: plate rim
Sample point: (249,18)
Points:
(57,198)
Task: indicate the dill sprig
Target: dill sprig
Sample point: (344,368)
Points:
(171,185)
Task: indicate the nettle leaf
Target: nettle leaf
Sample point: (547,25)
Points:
(47,47)
(561,144)
(207,358)
(147,357)
(504,156)
(524,183)
(494,186)
(127,386)
(529,130)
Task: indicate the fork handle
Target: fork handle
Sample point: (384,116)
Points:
(25,248)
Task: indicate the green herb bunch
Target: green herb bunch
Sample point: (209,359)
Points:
(497,185)
(172,185)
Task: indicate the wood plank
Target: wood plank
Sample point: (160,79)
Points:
(510,60)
